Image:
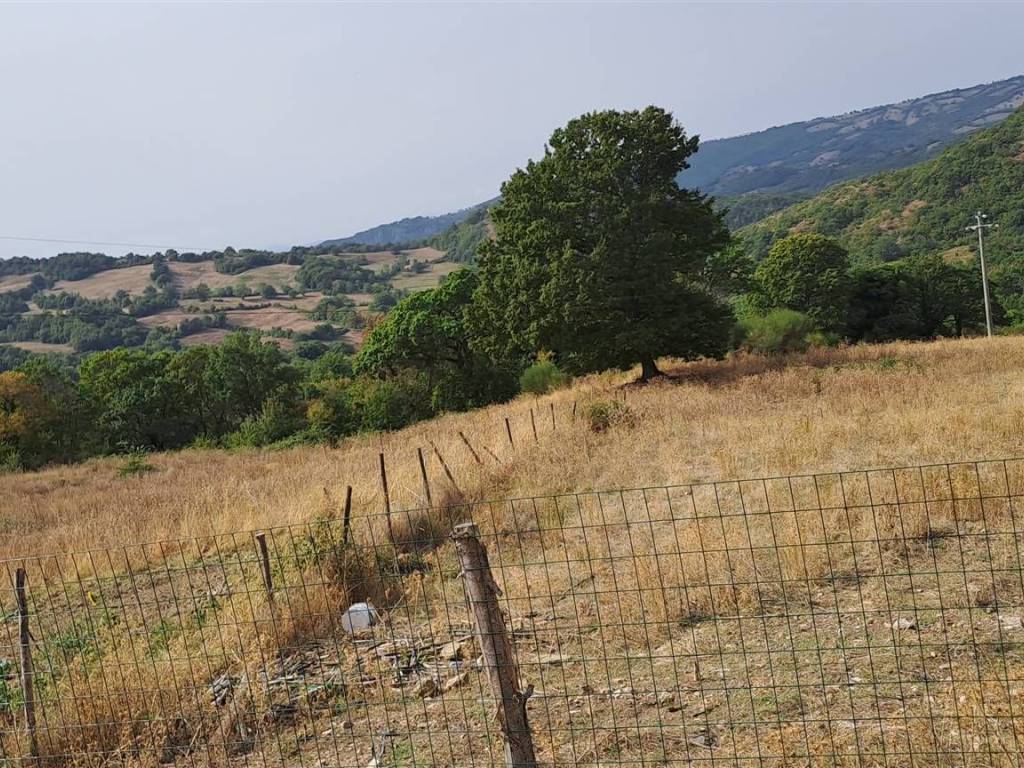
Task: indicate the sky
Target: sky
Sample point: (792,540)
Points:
(198,126)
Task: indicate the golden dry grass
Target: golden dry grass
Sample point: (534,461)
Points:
(887,405)
(750,622)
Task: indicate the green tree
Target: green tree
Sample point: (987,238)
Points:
(27,422)
(245,372)
(808,273)
(134,403)
(598,255)
(428,332)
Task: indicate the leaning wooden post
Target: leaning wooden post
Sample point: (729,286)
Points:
(347,519)
(499,660)
(552,416)
(27,676)
(533,423)
(444,466)
(574,411)
(423,476)
(469,445)
(387,499)
(268,579)
(508,431)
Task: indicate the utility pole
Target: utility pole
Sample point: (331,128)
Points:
(979,226)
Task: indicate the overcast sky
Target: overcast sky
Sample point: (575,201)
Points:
(206,125)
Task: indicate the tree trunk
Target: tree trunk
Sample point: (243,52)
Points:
(649,369)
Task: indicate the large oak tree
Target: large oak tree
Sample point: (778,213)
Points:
(599,256)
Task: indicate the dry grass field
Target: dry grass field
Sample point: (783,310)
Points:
(860,619)
(15,282)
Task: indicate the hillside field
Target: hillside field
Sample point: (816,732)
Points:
(688,640)
(848,408)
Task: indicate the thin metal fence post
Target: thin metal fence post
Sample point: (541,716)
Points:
(499,660)
(444,466)
(27,675)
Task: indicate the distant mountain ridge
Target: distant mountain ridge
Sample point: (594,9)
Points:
(409,230)
(756,174)
(805,157)
(923,209)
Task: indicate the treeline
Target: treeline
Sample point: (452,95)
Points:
(807,290)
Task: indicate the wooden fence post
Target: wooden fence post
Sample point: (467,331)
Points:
(27,676)
(533,423)
(347,519)
(268,579)
(468,445)
(499,660)
(574,411)
(444,466)
(387,499)
(508,431)
(552,416)
(423,476)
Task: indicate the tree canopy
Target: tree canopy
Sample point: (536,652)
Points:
(597,252)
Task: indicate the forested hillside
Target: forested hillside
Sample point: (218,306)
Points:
(922,209)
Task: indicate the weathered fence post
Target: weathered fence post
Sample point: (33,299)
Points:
(533,423)
(423,476)
(347,518)
(499,660)
(552,405)
(27,676)
(470,446)
(268,579)
(444,466)
(508,431)
(387,499)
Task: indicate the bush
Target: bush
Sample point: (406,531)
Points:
(543,377)
(779,331)
(135,464)
(388,404)
(275,421)
(603,415)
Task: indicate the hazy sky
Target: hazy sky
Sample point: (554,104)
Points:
(206,125)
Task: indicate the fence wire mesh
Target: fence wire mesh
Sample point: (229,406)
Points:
(857,618)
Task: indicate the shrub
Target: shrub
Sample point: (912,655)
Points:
(603,415)
(543,377)
(779,331)
(275,421)
(135,464)
(387,404)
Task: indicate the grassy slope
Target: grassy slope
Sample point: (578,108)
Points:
(639,602)
(633,616)
(922,209)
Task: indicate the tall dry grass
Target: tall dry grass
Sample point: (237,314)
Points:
(894,404)
(701,569)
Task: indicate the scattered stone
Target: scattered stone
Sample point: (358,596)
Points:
(1010,622)
(901,624)
(358,617)
(456,650)
(347,725)
(454,682)
(426,688)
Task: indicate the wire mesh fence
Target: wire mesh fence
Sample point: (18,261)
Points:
(858,618)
